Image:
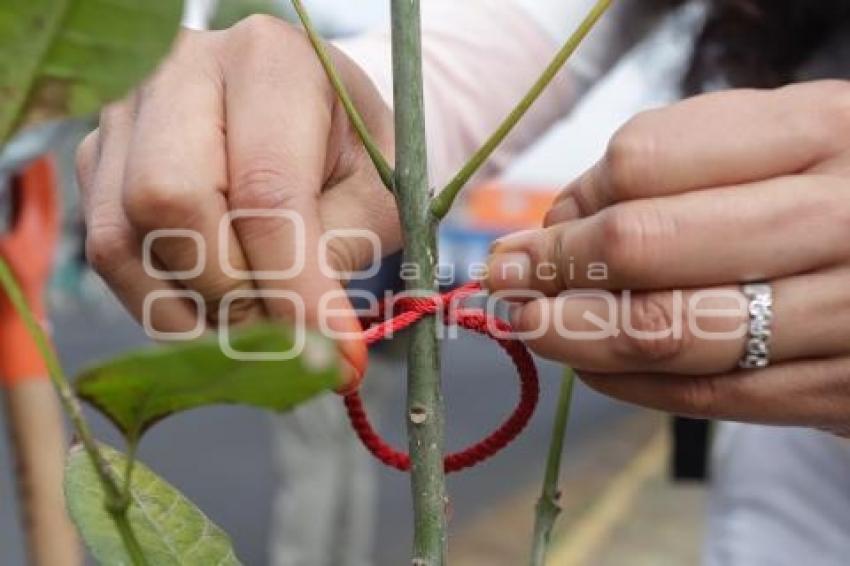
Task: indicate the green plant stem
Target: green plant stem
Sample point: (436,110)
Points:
(132,451)
(442,203)
(548,509)
(116,499)
(57,375)
(131,543)
(381,164)
(425,401)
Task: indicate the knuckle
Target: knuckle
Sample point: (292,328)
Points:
(109,115)
(261,30)
(700,397)
(85,157)
(215,286)
(259,41)
(628,158)
(620,235)
(240,311)
(826,124)
(257,24)
(529,317)
(622,240)
(264,188)
(190,40)
(151,203)
(655,332)
(555,262)
(117,116)
(343,256)
(106,249)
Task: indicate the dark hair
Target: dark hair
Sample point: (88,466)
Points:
(769,43)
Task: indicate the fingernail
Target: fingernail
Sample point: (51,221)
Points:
(352,378)
(353,364)
(510,242)
(515,314)
(509,271)
(564,210)
(354,357)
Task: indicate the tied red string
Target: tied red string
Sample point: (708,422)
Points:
(406,311)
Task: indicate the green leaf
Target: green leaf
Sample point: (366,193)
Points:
(170,529)
(61,58)
(138,389)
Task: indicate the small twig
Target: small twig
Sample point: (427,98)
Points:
(548,509)
(131,543)
(381,164)
(117,500)
(442,203)
(132,451)
(57,375)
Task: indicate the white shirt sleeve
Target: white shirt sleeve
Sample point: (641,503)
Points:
(481,56)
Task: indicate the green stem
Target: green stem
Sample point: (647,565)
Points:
(547,509)
(132,451)
(131,543)
(57,375)
(116,498)
(442,204)
(425,401)
(381,164)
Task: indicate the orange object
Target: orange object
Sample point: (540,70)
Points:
(508,208)
(28,248)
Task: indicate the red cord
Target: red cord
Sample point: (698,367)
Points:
(405,312)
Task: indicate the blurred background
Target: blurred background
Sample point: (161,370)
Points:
(620,501)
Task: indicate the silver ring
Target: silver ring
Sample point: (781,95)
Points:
(760,310)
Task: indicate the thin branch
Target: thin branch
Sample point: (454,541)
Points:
(117,500)
(442,203)
(547,509)
(424,396)
(57,375)
(381,164)
(131,543)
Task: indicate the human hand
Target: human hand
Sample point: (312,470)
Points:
(236,120)
(702,196)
